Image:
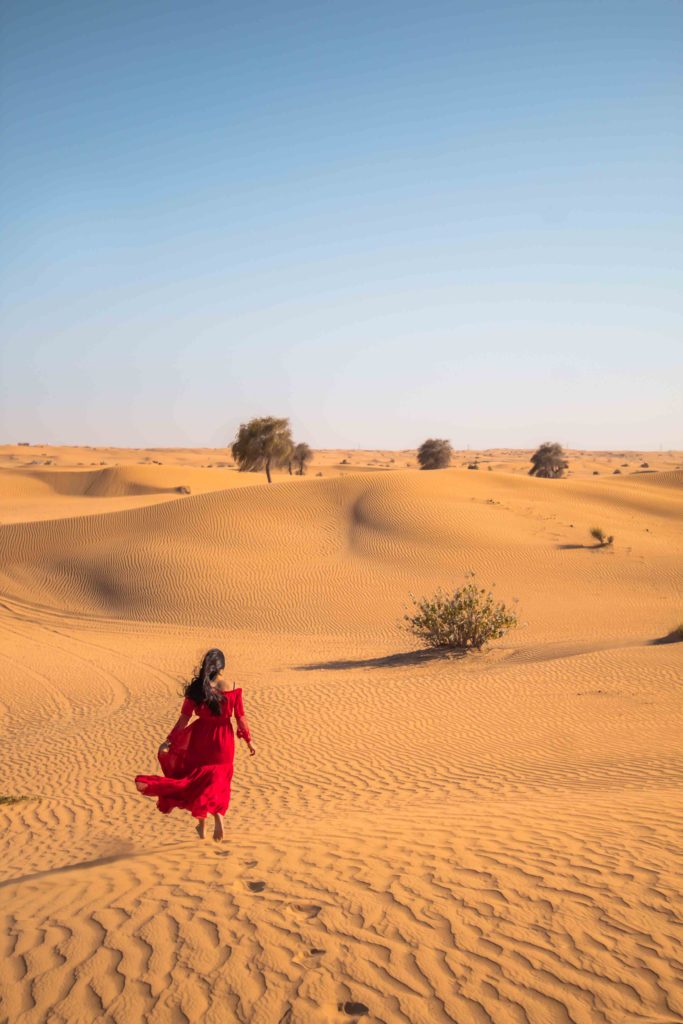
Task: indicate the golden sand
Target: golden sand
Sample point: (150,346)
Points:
(487,840)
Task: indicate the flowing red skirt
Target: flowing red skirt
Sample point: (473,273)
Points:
(197,770)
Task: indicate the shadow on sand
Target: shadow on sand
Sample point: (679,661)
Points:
(674,637)
(582,547)
(418,657)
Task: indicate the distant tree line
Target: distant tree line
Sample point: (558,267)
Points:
(266,442)
(547,461)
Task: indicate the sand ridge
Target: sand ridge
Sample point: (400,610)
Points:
(419,839)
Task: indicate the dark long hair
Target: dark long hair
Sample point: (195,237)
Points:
(200,689)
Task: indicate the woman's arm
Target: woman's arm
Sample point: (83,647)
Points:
(242,724)
(184,717)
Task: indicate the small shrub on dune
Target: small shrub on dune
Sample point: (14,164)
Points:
(434,453)
(616,472)
(598,534)
(464,620)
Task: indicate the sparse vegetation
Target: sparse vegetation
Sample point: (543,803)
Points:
(598,534)
(549,461)
(434,453)
(645,465)
(262,443)
(301,456)
(616,472)
(465,619)
(7,800)
(473,465)
(596,472)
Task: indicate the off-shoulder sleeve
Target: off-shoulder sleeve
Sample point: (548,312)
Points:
(188,708)
(186,713)
(242,724)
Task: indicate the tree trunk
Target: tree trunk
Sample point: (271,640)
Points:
(289,467)
(268,471)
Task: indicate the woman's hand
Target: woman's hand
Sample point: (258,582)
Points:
(165,747)
(252,752)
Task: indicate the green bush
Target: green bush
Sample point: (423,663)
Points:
(465,619)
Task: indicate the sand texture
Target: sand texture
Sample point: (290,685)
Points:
(493,839)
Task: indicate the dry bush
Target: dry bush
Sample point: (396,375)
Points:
(548,461)
(434,453)
(465,619)
(601,537)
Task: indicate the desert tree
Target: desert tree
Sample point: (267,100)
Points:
(301,456)
(549,461)
(434,453)
(262,443)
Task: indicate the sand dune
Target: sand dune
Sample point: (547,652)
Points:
(490,840)
(38,494)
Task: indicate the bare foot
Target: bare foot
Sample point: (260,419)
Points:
(218,828)
(201,828)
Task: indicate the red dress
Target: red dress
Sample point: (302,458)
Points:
(198,767)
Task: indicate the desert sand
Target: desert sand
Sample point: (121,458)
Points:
(493,839)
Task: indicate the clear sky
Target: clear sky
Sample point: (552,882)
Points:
(386,220)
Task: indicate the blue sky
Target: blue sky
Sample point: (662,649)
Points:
(385,220)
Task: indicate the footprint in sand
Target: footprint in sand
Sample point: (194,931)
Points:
(353,1009)
(311,910)
(310,958)
(256,886)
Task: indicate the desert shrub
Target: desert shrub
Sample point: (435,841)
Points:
(344,462)
(464,619)
(601,537)
(473,465)
(318,474)
(596,473)
(548,461)
(616,472)
(261,443)
(183,490)
(645,465)
(434,453)
(301,456)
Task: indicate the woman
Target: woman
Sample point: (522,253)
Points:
(197,759)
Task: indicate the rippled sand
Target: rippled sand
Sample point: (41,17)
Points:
(488,840)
